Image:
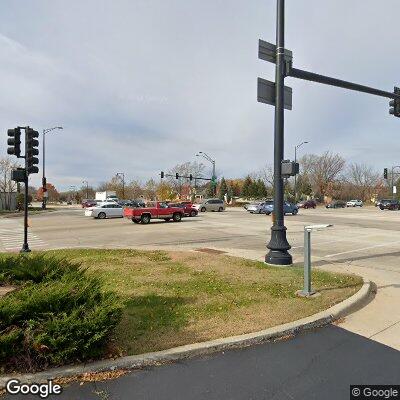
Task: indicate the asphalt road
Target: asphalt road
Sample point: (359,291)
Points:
(321,364)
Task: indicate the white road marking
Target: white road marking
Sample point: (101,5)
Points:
(362,249)
(12,236)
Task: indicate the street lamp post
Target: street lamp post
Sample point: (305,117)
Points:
(208,158)
(295,177)
(278,245)
(72,188)
(44,183)
(121,175)
(87,188)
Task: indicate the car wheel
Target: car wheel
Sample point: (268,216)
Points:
(193,213)
(145,219)
(294,212)
(267,213)
(203,209)
(220,209)
(177,217)
(135,221)
(305,207)
(101,215)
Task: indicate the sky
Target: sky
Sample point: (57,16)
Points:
(142,85)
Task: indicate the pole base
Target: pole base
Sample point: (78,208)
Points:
(25,248)
(278,247)
(312,294)
(278,257)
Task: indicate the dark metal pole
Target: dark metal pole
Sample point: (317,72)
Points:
(392,184)
(25,246)
(44,175)
(326,80)
(278,245)
(295,177)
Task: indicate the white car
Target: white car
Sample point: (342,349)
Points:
(354,203)
(105,210)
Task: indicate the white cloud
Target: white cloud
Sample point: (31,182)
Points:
(142,85)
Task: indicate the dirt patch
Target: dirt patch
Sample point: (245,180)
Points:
(210,251)
(6,289)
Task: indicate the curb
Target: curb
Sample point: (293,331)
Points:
(197,349)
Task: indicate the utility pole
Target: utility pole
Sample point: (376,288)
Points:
(121,175)
(87,188)
(213,178)
(393,187)
(295,177)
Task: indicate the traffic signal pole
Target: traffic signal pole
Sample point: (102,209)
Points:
(278,245)
(25,246)
(280,96)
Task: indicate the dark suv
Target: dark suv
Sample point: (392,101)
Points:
(389,205)
(307,204)
(336,204)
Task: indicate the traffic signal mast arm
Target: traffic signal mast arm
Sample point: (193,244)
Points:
(326,80)
(183,176)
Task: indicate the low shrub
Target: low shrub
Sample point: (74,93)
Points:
(59,314)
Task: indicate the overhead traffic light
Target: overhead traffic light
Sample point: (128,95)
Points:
(191,177)
(32,151)
(177,176)
(14,141)
(385,173)
(395,104)
(162,174)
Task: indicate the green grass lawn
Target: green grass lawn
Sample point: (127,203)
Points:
(176,298)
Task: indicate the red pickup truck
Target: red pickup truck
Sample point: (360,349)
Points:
(153,210)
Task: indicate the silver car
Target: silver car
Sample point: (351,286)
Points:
(210,205)
(105,210)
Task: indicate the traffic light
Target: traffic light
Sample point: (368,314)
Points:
(177,176)
(14,141)
(395,104)
(162,174)
(191,177)
(31,147)
(385,174)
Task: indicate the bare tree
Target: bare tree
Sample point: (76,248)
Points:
(364,179)
(7,186)
(322,171)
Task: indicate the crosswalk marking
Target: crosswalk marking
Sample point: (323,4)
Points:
(12,236)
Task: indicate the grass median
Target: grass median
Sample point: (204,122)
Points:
(175,298)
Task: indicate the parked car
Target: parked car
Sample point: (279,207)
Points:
(379,202)
(88,203)
(307,204)
(210,205)
(336,204)
(255,207)
(153,210)
(389,205)
(288,208)
(354,203)
(188,209)
(105,210)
